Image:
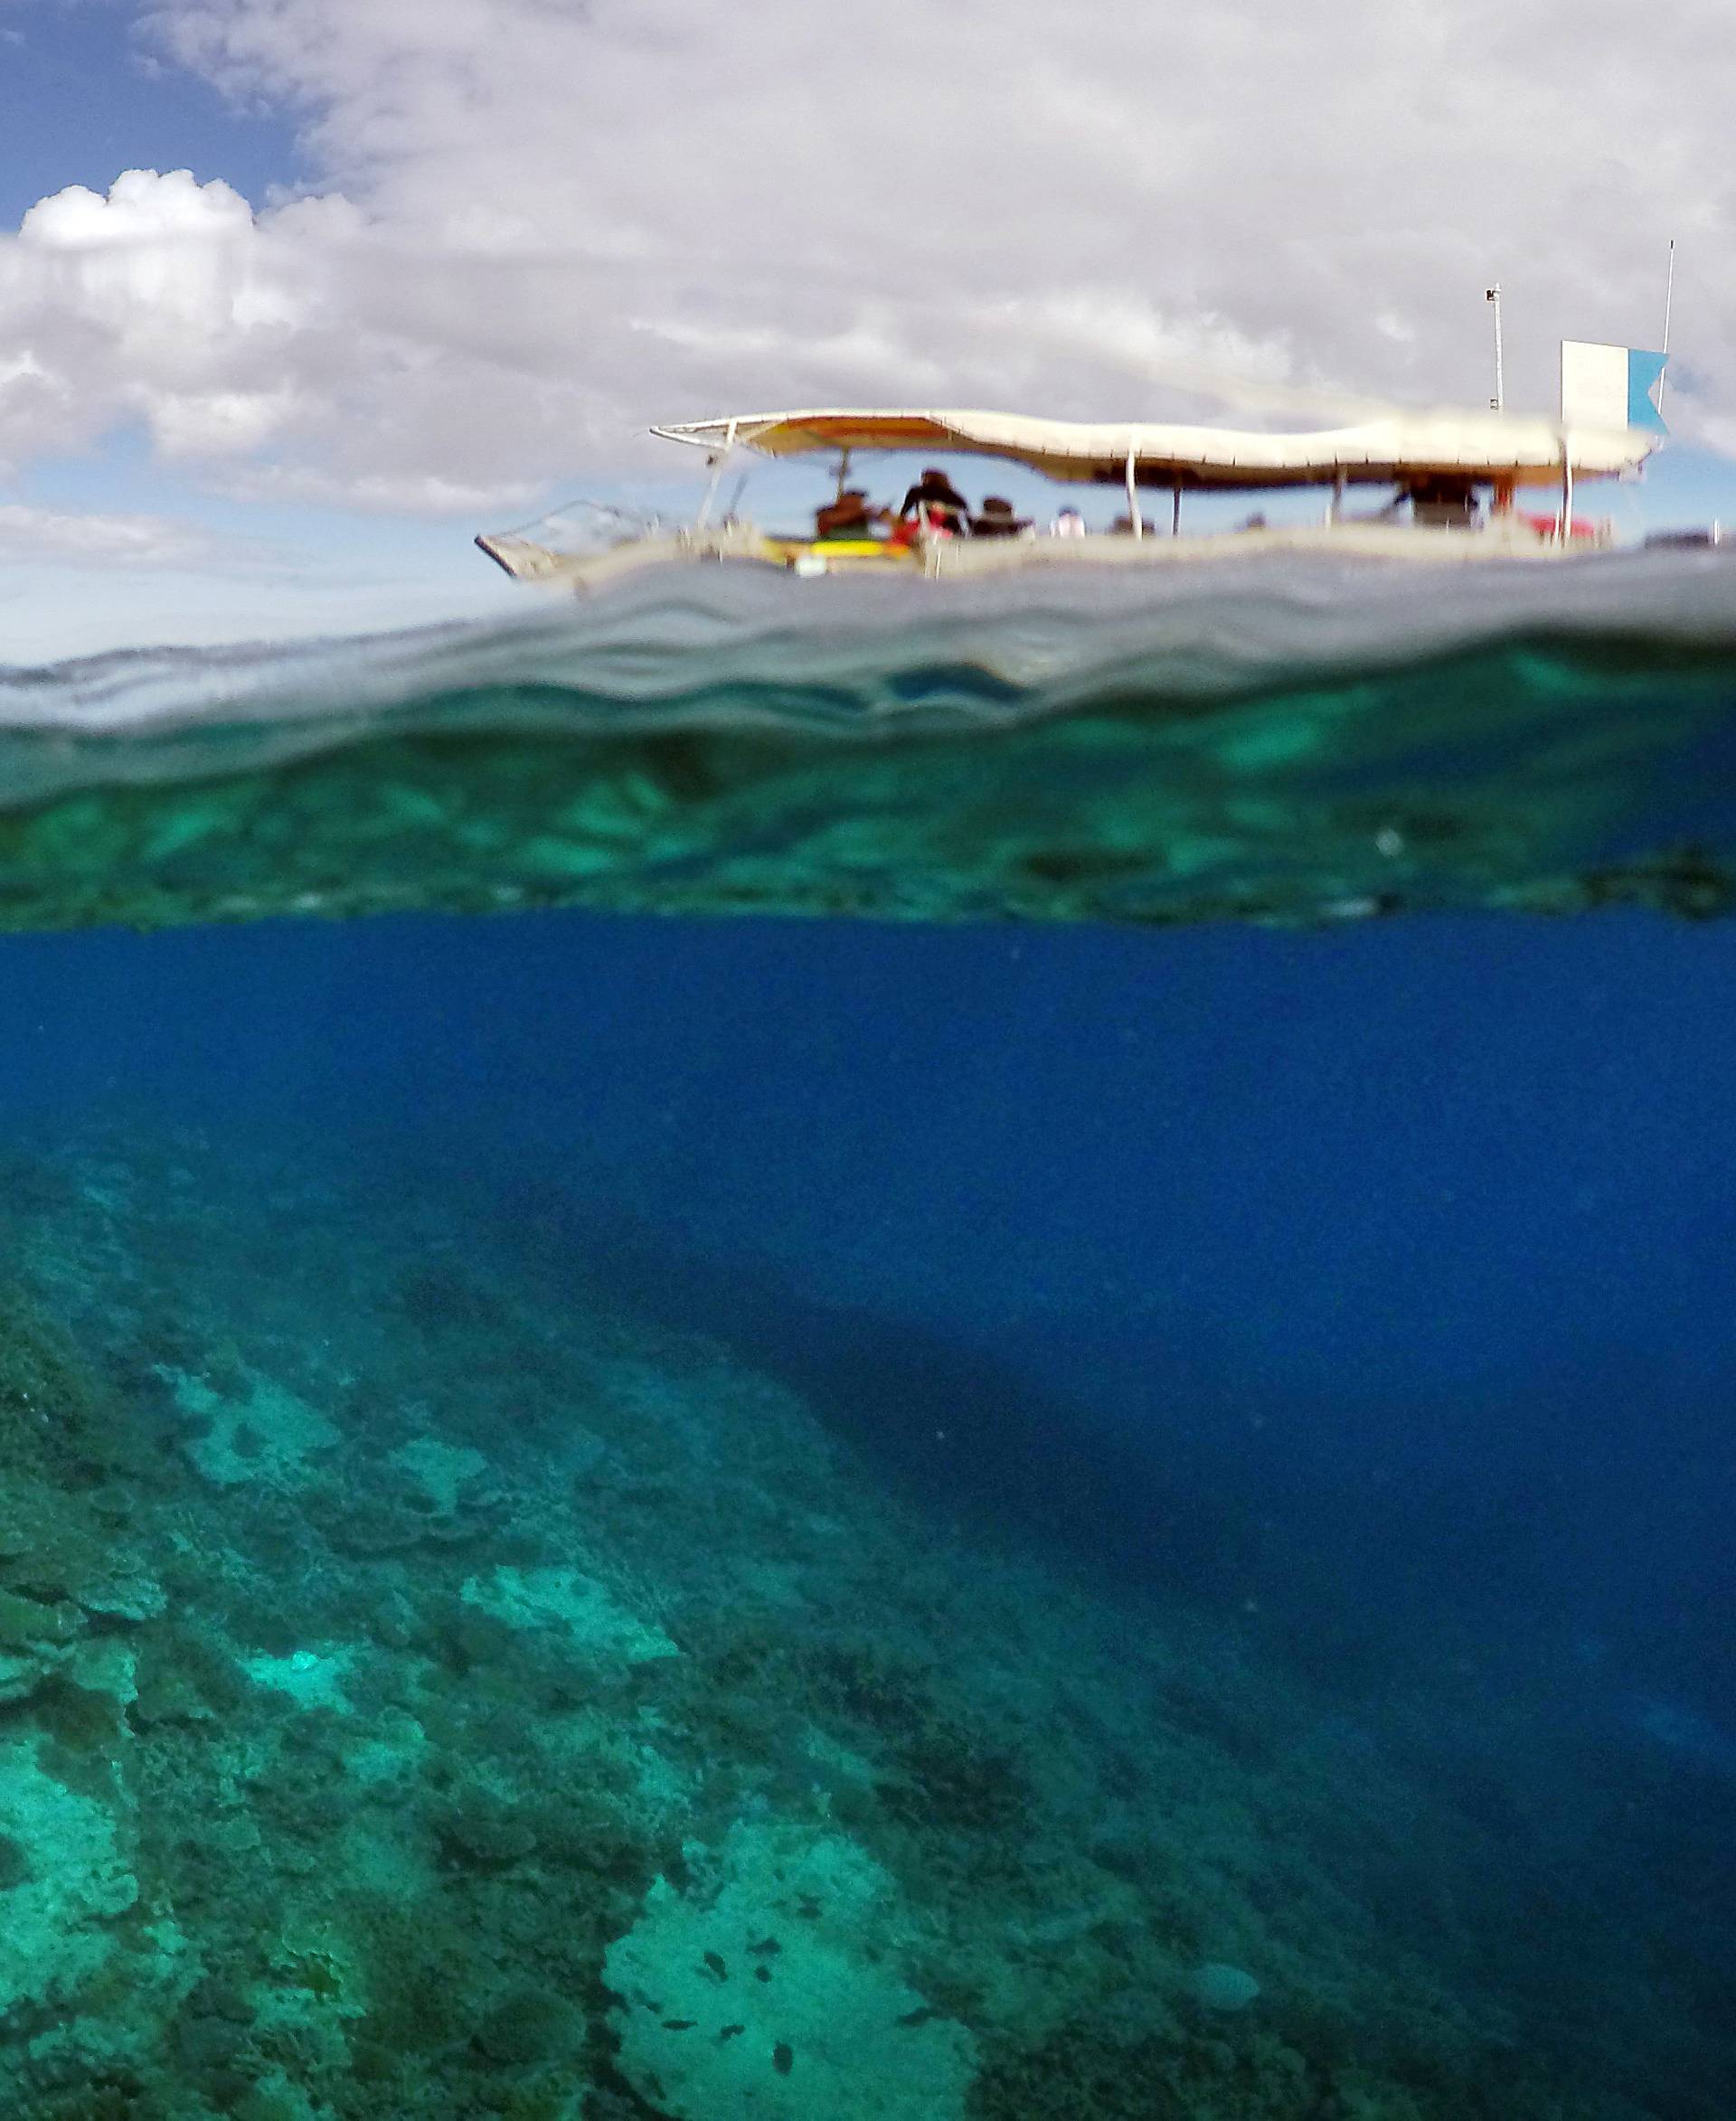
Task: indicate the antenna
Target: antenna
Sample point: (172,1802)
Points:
(1498,403)
(1669,302)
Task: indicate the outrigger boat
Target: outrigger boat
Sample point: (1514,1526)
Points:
(1456,478)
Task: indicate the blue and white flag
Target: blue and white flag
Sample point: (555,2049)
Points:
(1611,387)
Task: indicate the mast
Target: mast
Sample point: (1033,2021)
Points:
(1669,301)
(1498,403)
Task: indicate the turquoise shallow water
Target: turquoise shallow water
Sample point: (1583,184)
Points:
(1278,739)
(1117,1515)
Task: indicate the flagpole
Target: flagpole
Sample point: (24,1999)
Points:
(1669,300)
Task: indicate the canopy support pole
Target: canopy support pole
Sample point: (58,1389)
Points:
(1336,513)
(1134,523)
(1567,489)
(1175,509)
(717,462)
(1669,299)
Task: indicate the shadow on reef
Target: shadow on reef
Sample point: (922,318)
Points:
(963,1431)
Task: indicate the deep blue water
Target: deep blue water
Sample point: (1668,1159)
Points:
(1416,1238)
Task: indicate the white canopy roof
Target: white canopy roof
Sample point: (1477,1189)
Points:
(1483,446)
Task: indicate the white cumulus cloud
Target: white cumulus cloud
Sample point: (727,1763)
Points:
(164,303)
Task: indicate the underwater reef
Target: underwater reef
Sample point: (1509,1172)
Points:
(431,1685)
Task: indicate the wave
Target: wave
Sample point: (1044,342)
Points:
(1281,737)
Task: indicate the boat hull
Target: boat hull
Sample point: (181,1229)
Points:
(741,544)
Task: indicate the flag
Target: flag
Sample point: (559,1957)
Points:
(1611,387)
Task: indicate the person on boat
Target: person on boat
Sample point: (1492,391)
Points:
(935,500)
(997,520)
(849,516)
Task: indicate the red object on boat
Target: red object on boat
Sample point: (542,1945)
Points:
(1550,527)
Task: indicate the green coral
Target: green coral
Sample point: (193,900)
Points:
(48,1399)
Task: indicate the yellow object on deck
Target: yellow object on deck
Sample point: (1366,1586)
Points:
(821,555)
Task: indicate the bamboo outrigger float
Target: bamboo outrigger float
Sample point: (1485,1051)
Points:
(1456,478)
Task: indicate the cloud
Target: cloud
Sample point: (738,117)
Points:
(124,541)
(544,224)
(163,302)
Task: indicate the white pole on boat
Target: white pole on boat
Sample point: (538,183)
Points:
(1669,301)
(1567,487)
(1176,510)
(1134,523)
(1498,403)
(717,462)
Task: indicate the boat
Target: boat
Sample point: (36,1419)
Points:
(1456,481)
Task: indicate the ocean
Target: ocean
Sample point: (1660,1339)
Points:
(808,1353)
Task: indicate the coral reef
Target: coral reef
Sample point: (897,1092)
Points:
(423,1691)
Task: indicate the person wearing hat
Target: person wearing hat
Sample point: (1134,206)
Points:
(936,502)
(997,520)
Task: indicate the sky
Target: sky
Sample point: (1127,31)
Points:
(297,296)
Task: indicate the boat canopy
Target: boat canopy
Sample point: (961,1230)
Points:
(1486,447)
